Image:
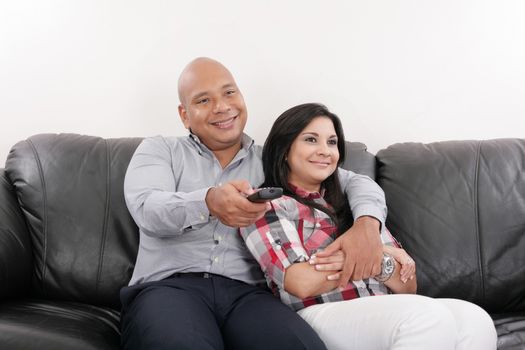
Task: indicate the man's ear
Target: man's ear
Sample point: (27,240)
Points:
(184,116)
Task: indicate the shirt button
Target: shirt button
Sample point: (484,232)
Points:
(202,216)
(216,259)
(216,241)
(317,225)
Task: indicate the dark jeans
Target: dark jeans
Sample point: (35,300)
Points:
(205,311)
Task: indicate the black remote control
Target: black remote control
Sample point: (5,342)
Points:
(265,194)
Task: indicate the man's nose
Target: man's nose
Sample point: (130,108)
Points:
(221,106)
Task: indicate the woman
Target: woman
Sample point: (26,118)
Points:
(301,155)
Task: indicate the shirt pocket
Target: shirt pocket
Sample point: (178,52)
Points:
(195,227)
(317,235)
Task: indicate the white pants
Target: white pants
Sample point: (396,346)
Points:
(402,321)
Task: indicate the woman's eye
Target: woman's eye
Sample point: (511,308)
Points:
(310,139)
(332,142)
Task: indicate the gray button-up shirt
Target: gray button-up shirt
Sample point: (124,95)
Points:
(165,189)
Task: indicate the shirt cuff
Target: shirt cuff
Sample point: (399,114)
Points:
(198,212)
(370,210)
(292,258)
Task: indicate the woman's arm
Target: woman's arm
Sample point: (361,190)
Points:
(403,281)
(276,245)
(305,280)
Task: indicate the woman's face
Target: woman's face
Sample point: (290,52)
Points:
(313,155)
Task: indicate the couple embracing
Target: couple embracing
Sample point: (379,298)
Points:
(216,271)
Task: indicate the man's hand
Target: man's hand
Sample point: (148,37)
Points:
(363,250)
(229,204)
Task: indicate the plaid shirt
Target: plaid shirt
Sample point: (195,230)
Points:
(291,232)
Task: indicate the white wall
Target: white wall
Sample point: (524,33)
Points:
(394,71)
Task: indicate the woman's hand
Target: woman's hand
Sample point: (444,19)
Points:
(362,247)
(334,262)
(408,265)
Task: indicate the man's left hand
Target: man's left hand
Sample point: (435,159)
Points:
(362,248)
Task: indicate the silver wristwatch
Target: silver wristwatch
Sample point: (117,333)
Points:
(388,266)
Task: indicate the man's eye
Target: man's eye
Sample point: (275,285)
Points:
(202,101)
(230,92)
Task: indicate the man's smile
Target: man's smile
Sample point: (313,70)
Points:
(224,124)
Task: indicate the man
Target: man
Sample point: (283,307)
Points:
(195,285)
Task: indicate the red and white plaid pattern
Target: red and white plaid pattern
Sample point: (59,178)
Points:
(291,232)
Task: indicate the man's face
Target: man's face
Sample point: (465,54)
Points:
(212,106)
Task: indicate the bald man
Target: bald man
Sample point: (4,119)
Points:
(195,285)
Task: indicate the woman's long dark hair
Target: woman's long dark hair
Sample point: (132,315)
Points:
(276,170)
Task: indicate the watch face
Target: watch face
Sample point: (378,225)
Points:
(388,266)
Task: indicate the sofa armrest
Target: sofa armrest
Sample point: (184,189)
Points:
(15,244)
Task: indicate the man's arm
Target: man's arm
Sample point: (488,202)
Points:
(364,195)
(361,244)
(151,196)
(160,210)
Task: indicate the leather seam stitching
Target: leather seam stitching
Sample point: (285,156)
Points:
(106,216)
(476,213)
(44,195)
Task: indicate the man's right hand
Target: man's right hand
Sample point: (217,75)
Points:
(229,204)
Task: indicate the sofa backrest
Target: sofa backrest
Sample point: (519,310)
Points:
(459,208)
(359,160)
(70,190)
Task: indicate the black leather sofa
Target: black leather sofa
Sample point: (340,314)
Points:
(68,244)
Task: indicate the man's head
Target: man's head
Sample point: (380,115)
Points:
(211,104)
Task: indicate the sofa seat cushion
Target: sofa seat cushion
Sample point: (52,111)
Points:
(57,325)
(511,330)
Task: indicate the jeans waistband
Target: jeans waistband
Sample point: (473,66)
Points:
(198,274)
(212,275)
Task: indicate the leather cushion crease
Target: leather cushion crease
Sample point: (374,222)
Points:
(58,325)
(68,243)
(511,330)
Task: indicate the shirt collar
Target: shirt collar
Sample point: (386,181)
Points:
(305,194)
(246,143)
